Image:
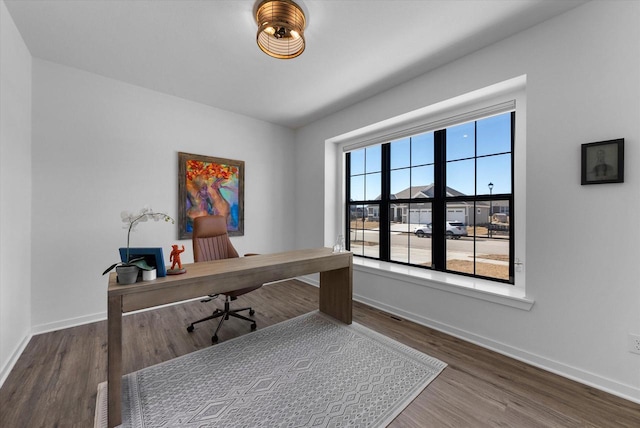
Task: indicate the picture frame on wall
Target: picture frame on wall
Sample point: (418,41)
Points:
(603,162)
(210,186)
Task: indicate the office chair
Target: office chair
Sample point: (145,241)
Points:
(211,242)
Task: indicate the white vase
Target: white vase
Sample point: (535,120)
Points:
(149,275)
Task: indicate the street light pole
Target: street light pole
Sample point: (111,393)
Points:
(490,208)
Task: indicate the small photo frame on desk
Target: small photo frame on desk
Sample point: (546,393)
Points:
(153,256)
(603,162)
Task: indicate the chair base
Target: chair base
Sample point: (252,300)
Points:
(224,315)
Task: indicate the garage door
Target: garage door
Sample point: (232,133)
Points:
(420,216)
(456,214)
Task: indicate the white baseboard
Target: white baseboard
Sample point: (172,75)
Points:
(6,369)
(67,323)
(622,390)
(100,316)
(625,391)
(309,280)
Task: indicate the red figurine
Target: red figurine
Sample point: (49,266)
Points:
(175,258)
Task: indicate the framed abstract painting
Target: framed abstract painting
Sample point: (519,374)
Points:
(209,185)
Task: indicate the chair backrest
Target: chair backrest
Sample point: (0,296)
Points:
(211,240)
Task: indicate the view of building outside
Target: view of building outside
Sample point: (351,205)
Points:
(477,195)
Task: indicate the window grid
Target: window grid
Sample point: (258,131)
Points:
(436,252)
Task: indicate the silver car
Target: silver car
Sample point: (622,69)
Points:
(455,229)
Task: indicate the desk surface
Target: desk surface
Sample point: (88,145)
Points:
(226,275)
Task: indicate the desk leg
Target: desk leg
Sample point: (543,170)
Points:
(336,294)
(114,365)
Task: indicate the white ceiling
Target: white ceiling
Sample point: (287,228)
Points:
(205,51)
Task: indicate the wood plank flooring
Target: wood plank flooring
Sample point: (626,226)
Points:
(54,382)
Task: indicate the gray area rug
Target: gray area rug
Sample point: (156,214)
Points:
(310,371)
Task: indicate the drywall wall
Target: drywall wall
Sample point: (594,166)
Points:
(100,147)
(15,193)
(582,268)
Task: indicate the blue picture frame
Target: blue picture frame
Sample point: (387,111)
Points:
(152,255)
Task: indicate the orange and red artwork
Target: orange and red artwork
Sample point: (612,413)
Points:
(210,186)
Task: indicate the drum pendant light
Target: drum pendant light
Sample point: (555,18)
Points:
(281,26)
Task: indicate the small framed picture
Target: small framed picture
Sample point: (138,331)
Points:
(603,162)
(153,257)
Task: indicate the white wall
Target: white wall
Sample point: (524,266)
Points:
(15,193)
(583,85)
(100,147)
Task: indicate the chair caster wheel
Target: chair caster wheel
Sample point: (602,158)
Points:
(253,326)
(190,328)
(251,312)
(214,338)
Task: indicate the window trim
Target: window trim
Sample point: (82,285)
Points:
(478,288)
(428,126)
(512,90)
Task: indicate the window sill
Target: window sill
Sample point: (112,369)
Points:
(502,294)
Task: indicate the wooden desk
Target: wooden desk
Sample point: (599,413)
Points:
(336,289)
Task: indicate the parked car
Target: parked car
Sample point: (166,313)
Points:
(455,229)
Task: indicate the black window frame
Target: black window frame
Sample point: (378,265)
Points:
(438,205)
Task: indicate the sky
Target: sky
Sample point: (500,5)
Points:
(412,160)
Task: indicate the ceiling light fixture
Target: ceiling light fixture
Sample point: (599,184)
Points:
(280,28)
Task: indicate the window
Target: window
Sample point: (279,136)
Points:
(439,200)
(364,183)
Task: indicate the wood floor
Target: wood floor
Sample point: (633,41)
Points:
(54,382)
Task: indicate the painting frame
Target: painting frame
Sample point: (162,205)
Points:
(210,185)
(603,162)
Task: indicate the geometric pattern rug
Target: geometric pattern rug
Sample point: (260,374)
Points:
(309,371)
